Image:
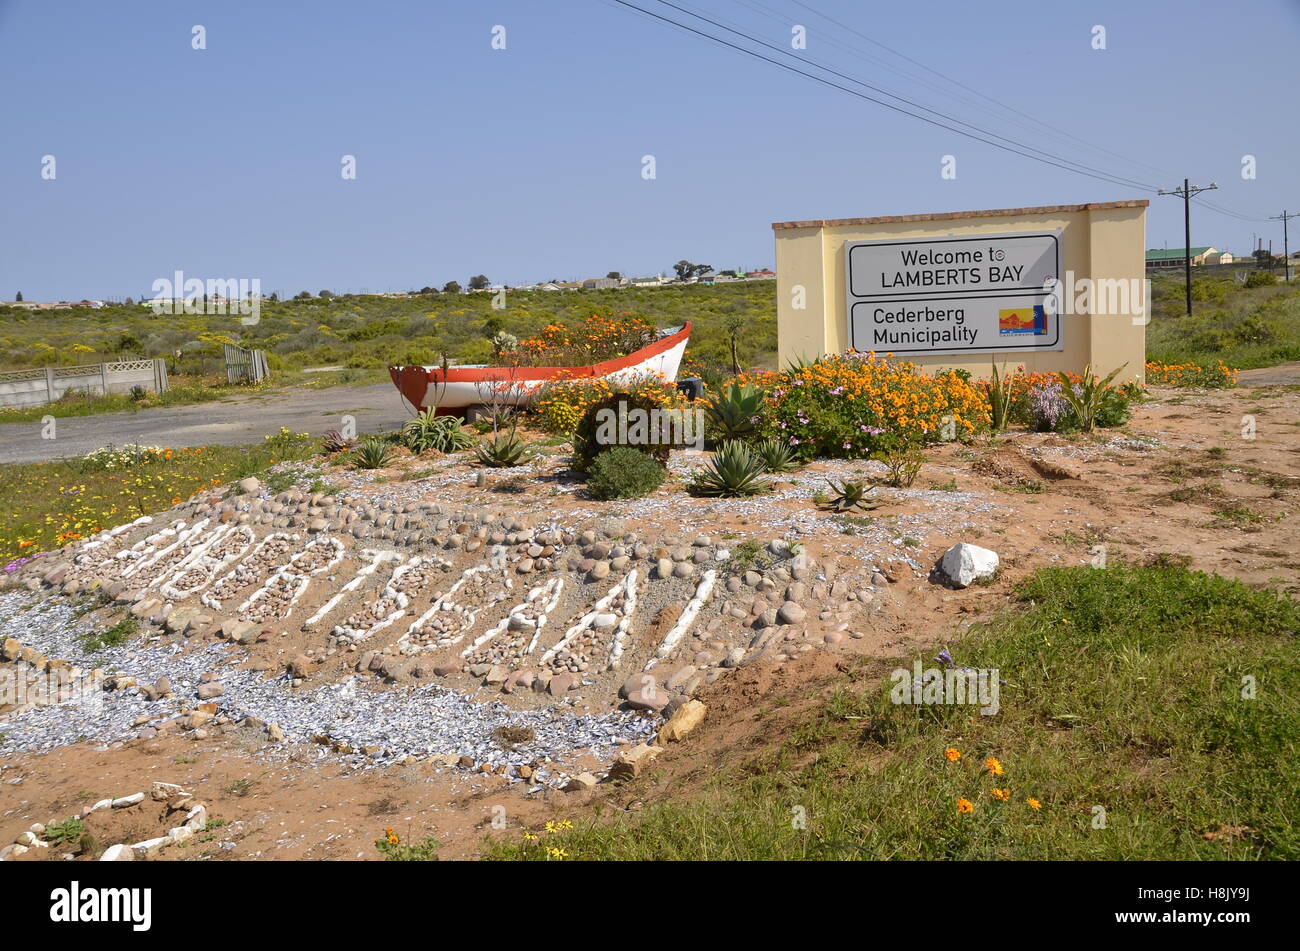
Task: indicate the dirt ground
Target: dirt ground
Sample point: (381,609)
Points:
(1211,478)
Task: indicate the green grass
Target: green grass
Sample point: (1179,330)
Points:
(47,504)
(113,636)
(1243,327)
(1124,691)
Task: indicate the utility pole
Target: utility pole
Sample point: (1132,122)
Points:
(1186,193)
(1286,246)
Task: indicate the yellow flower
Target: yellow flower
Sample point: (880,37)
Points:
(1034,803)
(965,805)
(993,766)
(1002,795)
(952,753)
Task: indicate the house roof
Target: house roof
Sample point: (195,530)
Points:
(1173,254)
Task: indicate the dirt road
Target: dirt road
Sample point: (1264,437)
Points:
(226,422)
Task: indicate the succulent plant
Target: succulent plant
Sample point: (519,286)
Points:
(502,451)
(334,441)
(734,471)
(849,496)
(775,455)
(375,452)
(734,413)
(439,433)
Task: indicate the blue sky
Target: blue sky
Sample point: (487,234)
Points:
(526,163)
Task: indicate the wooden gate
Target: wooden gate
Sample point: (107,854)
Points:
(245,366)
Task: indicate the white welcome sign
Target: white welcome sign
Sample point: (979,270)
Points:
(989,293)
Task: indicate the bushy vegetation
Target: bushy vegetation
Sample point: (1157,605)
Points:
(365,334)
(623,473)
(1241,325)
(1146,714)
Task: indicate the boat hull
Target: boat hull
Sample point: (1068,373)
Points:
(456,389)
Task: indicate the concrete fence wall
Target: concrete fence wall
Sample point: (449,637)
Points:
(37,387)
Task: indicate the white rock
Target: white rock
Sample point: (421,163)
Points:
(963,564)
(149,846)
(180,834)
(128,800)
(118,853)
(161,792)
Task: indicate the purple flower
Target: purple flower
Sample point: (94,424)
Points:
(945,658)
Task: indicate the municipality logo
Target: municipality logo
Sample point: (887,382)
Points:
(1023,321)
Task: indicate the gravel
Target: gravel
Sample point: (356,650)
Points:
(421,721)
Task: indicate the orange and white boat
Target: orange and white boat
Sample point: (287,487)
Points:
(466,390)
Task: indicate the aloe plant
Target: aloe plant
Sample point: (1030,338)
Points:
(733,472)
(1000,399)
(439,433)
(1086,400)
(502,451)
(775,455)
(734,413)
(373,453)
(848,496)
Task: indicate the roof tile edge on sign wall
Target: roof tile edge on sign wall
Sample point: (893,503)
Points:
(954,215)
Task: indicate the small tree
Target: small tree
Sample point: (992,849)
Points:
(325,295)
(19,297)
(478,282)
(612,275)
(451,287)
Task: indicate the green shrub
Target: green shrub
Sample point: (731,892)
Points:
(598,430)
(623,473)
(1260,279)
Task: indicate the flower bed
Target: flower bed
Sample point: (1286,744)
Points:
(850,406)
(1217,376)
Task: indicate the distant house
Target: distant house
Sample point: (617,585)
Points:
(1219,257)
(1173,257)
(761,274)
(600,283)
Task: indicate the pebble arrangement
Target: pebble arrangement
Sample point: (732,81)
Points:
(387,710)
(226,546)
(271,553)
(276,598)
(452,615)
(516,635)
(598,636)
(169,795)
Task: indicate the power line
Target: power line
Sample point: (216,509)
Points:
(912,103)
(1186,193)
(1286,244)
(1100,176)
(973,91)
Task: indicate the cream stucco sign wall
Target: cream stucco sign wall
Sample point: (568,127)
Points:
(1053,288)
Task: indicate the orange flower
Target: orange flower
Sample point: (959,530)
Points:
(952,753)
(1034,803)
(965,805)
